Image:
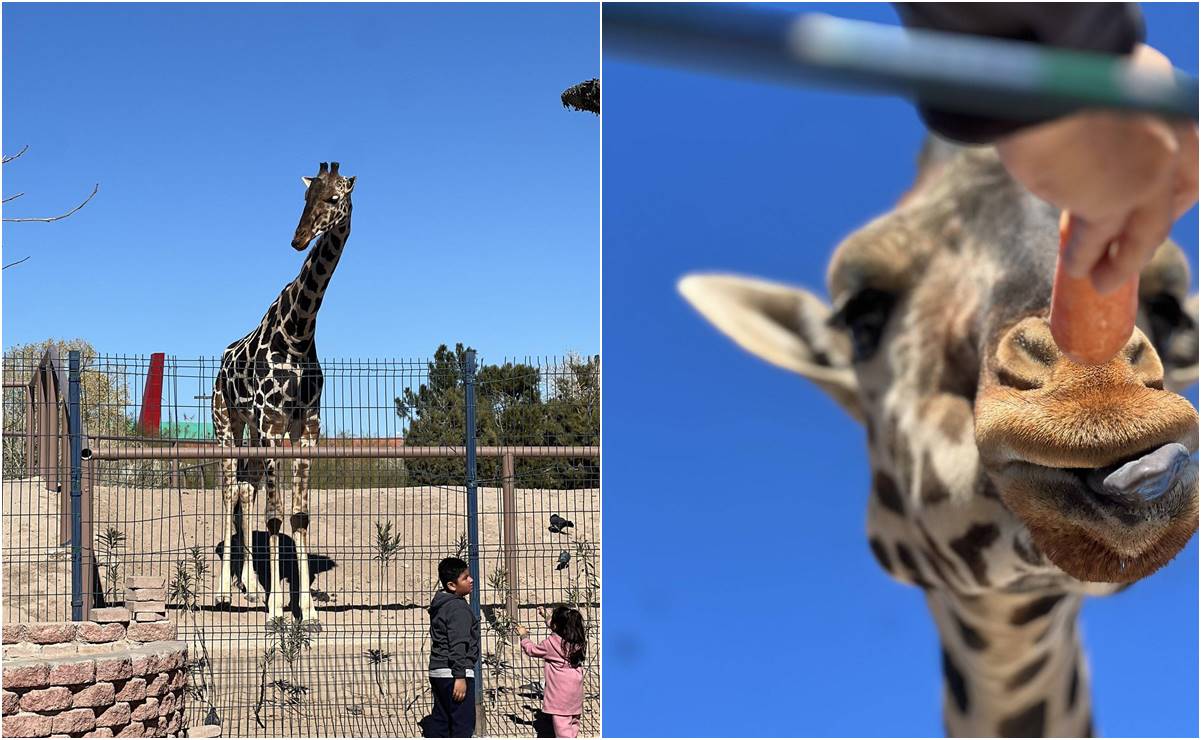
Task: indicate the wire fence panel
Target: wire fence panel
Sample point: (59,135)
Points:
(551,552)
(380,519)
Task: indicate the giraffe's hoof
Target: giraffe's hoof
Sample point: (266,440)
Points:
(311,625)
(222,602)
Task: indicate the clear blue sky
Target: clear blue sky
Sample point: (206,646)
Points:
(740,594)
(476,214)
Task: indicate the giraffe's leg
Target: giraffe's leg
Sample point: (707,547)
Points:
(300,523)
(275,519)
(224,428)
(250,581)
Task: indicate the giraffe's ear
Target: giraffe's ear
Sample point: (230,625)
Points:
(783,325)
(307,181)
(349,184)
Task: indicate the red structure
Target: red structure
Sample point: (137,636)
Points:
(152,399)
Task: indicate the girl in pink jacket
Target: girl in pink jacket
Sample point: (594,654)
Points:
(562,669)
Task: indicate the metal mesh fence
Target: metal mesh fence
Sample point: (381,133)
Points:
(378,526)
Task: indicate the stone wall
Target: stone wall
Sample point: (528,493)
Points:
(121,674)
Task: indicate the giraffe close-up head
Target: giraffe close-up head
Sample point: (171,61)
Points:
(326,204)
(997,463)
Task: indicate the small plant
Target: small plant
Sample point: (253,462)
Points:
(584,590)
(111,541)
(387,545)
(293,639)
(376,658)
(265,661)
(181,591)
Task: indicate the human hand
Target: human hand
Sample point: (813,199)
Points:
(459,692)
(1123,178)
(522,631)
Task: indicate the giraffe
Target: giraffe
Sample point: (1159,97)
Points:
(269,383)
(989,450)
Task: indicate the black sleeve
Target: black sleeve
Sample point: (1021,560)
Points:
(1114,28)
(458,633)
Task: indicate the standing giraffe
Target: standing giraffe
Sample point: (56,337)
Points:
(994,458)
(270,383)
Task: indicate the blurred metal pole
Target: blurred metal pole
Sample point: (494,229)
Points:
(473,524)
(509,525)
(76,487)
(955,72)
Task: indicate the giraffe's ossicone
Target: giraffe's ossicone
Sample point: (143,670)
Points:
(1007,481)
(269,388)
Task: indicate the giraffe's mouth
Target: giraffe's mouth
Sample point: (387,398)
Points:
(301,243)
(1115,523)
(1143,479)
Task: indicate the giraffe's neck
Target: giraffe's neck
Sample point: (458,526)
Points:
(1012,665)
(299,302)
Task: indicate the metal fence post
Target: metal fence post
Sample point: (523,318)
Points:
(473,524)
(76,487)
(509,525)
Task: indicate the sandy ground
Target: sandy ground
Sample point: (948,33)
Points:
(364,673)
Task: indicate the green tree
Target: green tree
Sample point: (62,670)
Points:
(104,395)
(511,410)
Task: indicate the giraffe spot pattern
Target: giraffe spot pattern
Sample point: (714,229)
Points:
(1029,555)
(970,548)
(1027,674)
(934,556)
(1035,609)
(887,493)
(956,683)
(1030,722)
(905,555)
(971,637)
(934,491)
(881,553)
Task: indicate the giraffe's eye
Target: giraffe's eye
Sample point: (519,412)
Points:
(334,199)
(864,315)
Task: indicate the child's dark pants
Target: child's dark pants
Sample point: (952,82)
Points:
(451,718)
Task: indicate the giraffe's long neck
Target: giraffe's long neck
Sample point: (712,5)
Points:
(301,299)
(1012,665)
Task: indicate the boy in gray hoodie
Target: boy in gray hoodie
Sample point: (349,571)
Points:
(454,649)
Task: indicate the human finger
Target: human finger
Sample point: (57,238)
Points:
(1087,243)
(1145,230)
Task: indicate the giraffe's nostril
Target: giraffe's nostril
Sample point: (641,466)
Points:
(1037,348)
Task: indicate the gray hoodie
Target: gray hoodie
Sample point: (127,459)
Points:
(454,635)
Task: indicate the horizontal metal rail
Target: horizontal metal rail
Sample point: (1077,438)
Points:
(217,452)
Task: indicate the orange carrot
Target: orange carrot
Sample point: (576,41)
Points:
(1088,327)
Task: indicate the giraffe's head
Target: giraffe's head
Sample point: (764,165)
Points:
(326,204)
(991,452)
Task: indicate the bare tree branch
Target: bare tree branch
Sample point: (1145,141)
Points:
(12,197)
(9,158)
(12,264)
(56,218)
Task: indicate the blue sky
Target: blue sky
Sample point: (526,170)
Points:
(740,594)
(476,206)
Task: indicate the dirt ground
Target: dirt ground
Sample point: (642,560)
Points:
(364,673)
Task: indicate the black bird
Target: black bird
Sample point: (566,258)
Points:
(558,523)
(564,559)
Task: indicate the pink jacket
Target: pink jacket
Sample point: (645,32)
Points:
(564,685)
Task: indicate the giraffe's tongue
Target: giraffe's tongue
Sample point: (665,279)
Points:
(1145,479)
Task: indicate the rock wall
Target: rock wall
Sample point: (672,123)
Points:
(121,674)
